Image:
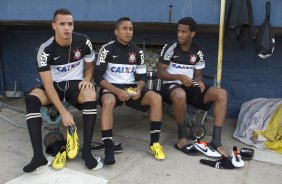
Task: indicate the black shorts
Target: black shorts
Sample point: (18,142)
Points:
(136,104)
(194,96)
(67,90)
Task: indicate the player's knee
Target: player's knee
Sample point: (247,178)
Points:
(89,94)
(108,102)
(179,97)
(222,95)
(155,98)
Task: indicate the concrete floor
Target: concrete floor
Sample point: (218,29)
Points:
(135,165)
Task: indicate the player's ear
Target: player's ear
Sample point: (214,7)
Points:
(193,34)
(53,25)
(116,32)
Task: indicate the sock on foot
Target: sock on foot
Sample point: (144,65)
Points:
(107,137)
(214,145)
(90,161)
(34,164)
(155,129)
(109,155)
(216,138)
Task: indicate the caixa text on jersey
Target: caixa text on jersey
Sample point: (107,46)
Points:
(67,68)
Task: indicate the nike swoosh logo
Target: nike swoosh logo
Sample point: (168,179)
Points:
(188,148)
(176,56)
(115,56)
(55,58)
(204,150)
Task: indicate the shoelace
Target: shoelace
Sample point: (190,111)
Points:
(157,148)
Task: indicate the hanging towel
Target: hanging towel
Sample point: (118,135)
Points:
(239,23)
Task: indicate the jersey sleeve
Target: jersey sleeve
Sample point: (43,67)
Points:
(141,69)
(200,61)
(44,56)
(102,63)
(89,52)
(165,55)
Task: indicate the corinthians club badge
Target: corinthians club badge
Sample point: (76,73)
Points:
(77,54)
(192,59)
(132,58)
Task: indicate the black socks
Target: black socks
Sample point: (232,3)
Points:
(35,163)
(107,137)
(34,124)
(89,120)
(182,132)
(216,137)
(155,130)
(90,161)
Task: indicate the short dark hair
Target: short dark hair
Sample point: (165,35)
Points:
(190,22)
(120,20)
(61,11)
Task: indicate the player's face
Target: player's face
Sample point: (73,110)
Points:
(63,26)
(184,35)
(124,32)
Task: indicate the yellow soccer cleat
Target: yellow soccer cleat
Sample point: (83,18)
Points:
(60,159)
(157,151)
(72,142)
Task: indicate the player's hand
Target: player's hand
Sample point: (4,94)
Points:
(201,86)
(85,84)
(67,119)
(122,95)
(136,94)
(186,81)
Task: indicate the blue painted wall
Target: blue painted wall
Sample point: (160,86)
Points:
(206,11)
(244,75)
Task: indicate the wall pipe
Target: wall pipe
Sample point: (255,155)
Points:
(220,44)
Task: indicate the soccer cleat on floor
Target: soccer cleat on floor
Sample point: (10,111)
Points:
(236,158)
(96,146)
(72,142)
(60,159)
(117,147)
(157,150)
(246,153)
(223,163)
(206,149)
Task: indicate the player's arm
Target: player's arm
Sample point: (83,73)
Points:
(89,64)
(141,75)
(47,81)
(141,71)
(198,76)
(200,65)
(163,74)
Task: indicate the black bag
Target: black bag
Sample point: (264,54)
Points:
(265,41)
